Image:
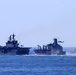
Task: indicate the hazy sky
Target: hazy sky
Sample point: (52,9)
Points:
(38,21)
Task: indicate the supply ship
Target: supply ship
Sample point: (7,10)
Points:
(12,47)
(50,49)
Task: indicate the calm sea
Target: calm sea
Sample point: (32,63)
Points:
(37,65)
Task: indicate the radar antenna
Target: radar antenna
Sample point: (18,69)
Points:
(61,41)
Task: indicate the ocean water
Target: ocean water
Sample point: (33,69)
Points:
(69,48)
(37,65)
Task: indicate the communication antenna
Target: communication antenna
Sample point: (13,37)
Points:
(60,41)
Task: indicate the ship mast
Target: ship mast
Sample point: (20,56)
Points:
(13,36)
(10,38)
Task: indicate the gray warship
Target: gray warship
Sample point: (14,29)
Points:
(12,47)
(50,49)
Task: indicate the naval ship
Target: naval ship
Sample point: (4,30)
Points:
(50,49)
(12,47)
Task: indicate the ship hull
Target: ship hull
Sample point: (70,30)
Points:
(14,51)
(52,52)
